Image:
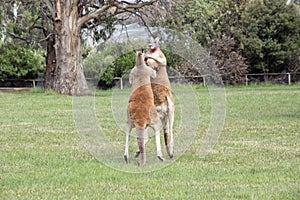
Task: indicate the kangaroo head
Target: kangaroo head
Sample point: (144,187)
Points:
(154,43)
(139,58)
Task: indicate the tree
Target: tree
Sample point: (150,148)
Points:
(109,60)
(28,24)
(69,17)
(213,25)
(191,17)
(58,26)
(269,35)
(19,62)
(230,63)
(265,32)
(21,22)
(21,53)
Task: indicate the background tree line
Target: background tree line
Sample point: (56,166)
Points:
(241,36)
(58,26)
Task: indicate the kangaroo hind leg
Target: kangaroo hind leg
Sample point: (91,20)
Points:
(140,132)
(128,130)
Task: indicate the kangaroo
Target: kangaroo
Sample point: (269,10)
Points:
(141,111)
(161,87)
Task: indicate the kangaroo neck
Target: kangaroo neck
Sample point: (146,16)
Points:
(161,77)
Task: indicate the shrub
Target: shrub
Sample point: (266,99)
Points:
(110,60)
(17,62)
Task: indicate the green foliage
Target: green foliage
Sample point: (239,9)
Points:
(110,60)
(101,60)
(116,60)
(24,22)
(120,66)
(191,16)
(1,21)
(21,52)
(269,35)
(266,32)
(19,62)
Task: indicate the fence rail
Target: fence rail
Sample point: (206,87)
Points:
(276,78)
(25,83)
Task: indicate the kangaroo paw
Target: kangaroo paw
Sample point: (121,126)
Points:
(161,158)
(126,159)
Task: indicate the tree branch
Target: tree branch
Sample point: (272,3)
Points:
(138,15)
(127,5)
(36,27)
(92,15)
(122,5)
(46,38)
(50,7)
(18,37)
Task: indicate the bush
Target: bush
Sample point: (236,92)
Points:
(110,60)
(17,62)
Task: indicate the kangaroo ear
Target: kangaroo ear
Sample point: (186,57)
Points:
(151,40)
(142,50)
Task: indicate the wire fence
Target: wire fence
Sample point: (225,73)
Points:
(273,78)
(267,78)
(121,82)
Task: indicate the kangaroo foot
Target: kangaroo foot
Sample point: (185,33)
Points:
(170,152)
(137,153)
(126,158)
(161,158)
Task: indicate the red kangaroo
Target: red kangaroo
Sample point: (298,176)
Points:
(161,87)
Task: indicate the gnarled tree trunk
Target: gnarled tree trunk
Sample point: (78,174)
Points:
(69,70)
(64,73)
(50,62)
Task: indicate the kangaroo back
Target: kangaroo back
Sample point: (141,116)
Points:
(141,73)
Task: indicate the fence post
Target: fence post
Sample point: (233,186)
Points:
(289,78)
(204,82)
(246,78)
(121,83)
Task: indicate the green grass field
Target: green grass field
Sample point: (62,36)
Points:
(257,156)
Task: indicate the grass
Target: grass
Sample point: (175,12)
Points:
(257,156)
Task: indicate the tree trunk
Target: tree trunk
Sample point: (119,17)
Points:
(50,63)
(69,77)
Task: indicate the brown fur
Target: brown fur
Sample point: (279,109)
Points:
(160,84)
(160,93)
(161,87)
(140,106)
(141,111)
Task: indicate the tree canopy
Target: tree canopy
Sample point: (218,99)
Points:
(269,35)
(265,32)
(19,62)
(241,36)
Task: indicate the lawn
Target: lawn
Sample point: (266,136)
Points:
(46,154)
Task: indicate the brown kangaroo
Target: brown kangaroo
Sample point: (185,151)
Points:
(161,87)
(141,111)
